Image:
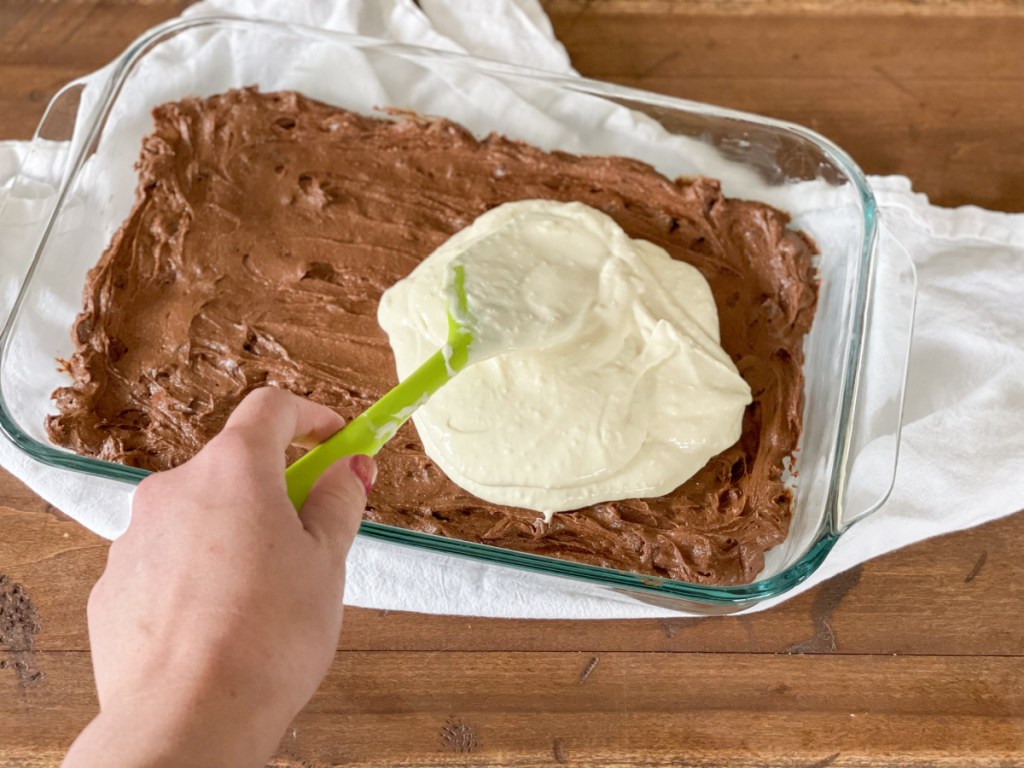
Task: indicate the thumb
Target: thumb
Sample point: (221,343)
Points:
(336,503)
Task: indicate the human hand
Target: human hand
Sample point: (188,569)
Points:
(219,611)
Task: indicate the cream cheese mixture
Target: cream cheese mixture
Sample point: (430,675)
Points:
(614,386)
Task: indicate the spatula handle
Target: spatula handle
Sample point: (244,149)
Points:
(367,433)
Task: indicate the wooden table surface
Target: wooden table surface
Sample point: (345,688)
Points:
(914,659)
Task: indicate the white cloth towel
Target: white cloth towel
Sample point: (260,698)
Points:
(962,448)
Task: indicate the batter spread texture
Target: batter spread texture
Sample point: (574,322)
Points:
(265,230)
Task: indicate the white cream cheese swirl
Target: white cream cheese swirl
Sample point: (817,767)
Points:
(616,385)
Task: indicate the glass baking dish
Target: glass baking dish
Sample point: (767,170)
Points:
(856,353)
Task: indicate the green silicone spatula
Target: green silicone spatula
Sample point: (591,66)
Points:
(519,292)
(367,433)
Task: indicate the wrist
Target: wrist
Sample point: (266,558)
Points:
(166,737)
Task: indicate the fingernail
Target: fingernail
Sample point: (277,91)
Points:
(365,468)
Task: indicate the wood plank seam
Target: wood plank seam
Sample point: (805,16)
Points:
(838,8)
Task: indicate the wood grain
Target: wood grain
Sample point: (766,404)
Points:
(937,99)
(45,44)
(874,662)
(914,659)
(508,708)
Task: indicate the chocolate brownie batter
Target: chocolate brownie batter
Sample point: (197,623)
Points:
(266,228)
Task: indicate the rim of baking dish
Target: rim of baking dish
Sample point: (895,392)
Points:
(654,588)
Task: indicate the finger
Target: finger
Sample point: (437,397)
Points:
(335,505)
(272,419)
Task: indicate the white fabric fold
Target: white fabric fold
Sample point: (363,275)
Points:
(962,448)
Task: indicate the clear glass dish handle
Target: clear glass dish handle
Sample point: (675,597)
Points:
(877,413)
(26,206)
